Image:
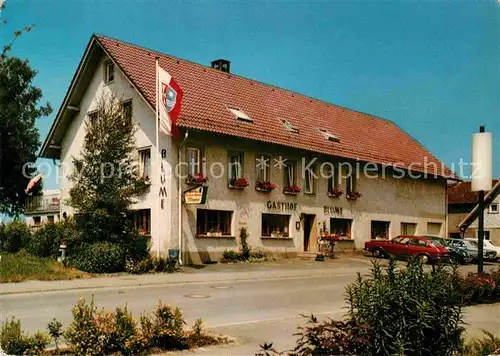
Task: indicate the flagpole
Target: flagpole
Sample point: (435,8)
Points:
(158,163)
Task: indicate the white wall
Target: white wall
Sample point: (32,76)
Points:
(395,200)
(164,234)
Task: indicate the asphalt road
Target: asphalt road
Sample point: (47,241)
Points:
(253,311)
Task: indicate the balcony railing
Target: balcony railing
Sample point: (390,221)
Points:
(42,204)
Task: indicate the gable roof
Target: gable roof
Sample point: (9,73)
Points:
(208,93)
(461,193)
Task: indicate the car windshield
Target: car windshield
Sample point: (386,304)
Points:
(473,243)
(437,241)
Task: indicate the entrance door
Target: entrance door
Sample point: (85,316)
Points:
(308,229)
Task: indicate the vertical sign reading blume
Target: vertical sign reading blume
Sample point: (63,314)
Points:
(168,108)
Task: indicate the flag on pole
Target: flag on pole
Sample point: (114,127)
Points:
(170,94)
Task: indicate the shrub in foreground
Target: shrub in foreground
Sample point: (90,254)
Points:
(95,331)
(14,236)
(101,257)
(488,345)
(405,311)
(45,241)
(15,342)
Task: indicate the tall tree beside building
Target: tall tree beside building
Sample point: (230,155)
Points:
(105,178)
(19,138)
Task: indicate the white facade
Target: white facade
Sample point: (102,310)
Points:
(163,226)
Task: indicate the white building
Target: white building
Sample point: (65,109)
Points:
(228,120)
(43,209)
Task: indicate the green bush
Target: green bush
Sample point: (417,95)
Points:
(14,236)
(152,264)
(405,311)
(230,256)
(101,257)
(45,241)
(15,342)
(168,327)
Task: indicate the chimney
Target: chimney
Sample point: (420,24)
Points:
(222,64)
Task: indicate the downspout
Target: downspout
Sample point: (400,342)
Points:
(179,185)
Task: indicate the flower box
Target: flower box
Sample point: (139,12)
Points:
(335,192)
(292,190)
(238,183)
(196,179)
(353,195)
(265,187)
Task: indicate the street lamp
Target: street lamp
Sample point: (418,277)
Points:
(481,181)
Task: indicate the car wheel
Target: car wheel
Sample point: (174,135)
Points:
(454,259)
(468,259)
(378,253)
(424,259)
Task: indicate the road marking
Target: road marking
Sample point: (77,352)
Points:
(258,321)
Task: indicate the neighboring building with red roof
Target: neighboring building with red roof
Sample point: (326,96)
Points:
(230,121)
(462,201)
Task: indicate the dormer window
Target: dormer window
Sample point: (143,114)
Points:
(288,126)
(240,115)
(328,135)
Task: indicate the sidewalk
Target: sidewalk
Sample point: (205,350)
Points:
(209,273)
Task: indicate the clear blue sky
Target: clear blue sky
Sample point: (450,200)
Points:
(432,68)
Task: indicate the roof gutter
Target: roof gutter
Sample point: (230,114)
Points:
(469,219)
(179,196)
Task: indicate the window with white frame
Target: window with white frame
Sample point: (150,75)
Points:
(263,165)
(493,208)
(235,165)
(352,181)
(213,221)
(127,109)
(145,163)
(309,181)
(194,161)
(290,174)
(109,72)
(275,225)
(92,118)
(333,177)
(142,221)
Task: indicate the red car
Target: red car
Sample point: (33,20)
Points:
(404,246)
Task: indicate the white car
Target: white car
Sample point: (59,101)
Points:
(487,244)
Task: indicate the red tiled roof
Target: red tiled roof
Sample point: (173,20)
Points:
(208,92)
(461,193)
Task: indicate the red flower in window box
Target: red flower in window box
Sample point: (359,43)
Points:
(292,189)
(353,195)
(335,192)
(238,183)
(265,186)
(198,178)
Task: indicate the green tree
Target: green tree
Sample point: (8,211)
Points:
(105,177)
(19,138)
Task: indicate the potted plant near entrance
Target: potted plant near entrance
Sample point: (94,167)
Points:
(265,186)
(292,190)
(238,183)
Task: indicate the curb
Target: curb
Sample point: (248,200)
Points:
(156,284)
